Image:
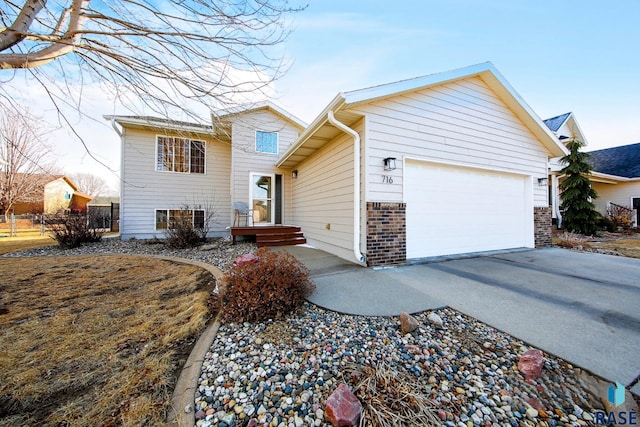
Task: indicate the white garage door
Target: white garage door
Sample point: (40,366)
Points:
(454,210)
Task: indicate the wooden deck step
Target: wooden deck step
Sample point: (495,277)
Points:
(279,235)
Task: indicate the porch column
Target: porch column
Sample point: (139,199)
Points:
(555,200)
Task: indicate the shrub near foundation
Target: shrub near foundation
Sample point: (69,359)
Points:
(268,288)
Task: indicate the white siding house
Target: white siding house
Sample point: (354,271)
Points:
(471,161)
(448,163)
(205,185)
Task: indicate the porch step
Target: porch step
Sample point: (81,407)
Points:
(284,237)
(282,242)
(279,235)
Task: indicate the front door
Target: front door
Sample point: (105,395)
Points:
(636,205)
(263,199)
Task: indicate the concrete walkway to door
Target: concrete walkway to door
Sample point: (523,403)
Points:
(582,307)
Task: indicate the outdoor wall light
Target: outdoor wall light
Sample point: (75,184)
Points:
(389,163)
(543,182)
(294,174)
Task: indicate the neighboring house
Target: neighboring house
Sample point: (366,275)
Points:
(564,126)
(32,202)
(62,196)
(615,176)
(444,164)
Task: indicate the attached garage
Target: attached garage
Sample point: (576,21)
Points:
(453,209)
(444,164)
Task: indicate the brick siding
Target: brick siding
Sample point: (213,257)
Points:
(386,233)
(542,226)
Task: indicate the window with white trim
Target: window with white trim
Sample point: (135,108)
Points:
(167,218)
(266,142)
(180,155)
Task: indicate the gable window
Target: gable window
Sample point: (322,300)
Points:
(180,155)
(167,218)
(267,142)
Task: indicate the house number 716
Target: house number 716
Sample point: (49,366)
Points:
(387,179)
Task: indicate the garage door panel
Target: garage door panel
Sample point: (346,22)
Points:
(454,210)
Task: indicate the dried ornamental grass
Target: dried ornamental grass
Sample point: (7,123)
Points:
(391,398)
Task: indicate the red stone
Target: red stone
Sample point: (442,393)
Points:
(530,364)
(343,408)
(408,323)
(246,259)
(535,404)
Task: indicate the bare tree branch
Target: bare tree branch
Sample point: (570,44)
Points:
(90,184)
(25,164)
(155,57)
(61,45)
(18,30)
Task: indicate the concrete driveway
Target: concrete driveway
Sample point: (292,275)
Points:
(582,307)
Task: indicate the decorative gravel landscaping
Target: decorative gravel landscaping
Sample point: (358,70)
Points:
(280,373)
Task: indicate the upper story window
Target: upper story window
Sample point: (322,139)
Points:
(180,155)
(267,142)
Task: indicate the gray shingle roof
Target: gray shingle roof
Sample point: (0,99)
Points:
(620,161)
(554,123)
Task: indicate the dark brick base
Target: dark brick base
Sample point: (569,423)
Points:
(386,233)
(542,226)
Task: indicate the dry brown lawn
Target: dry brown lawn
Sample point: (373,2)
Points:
(95,340)
(11,244)
(625,247)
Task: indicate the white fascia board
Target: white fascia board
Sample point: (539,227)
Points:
(554,145)
(488,72)
(384,90)
(576,125)
(241,109)
(613,178)
(193,127)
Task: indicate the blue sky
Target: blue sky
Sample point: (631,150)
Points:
(580,56)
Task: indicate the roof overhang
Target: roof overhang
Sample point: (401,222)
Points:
(225,114)
(320,132)
(157,124)
(605,178)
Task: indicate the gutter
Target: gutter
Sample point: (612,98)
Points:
(115,127)
(356,183)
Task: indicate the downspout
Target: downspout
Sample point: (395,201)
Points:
(356,184)
(121,210)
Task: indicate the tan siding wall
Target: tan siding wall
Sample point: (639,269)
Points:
(462,122)
(620,194)
(246,160)
(54,196)
(323,194)
(144,189)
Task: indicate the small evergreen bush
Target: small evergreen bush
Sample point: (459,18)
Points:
(269,288)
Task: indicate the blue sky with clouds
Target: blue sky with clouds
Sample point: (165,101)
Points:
(560,55)
(580,56)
